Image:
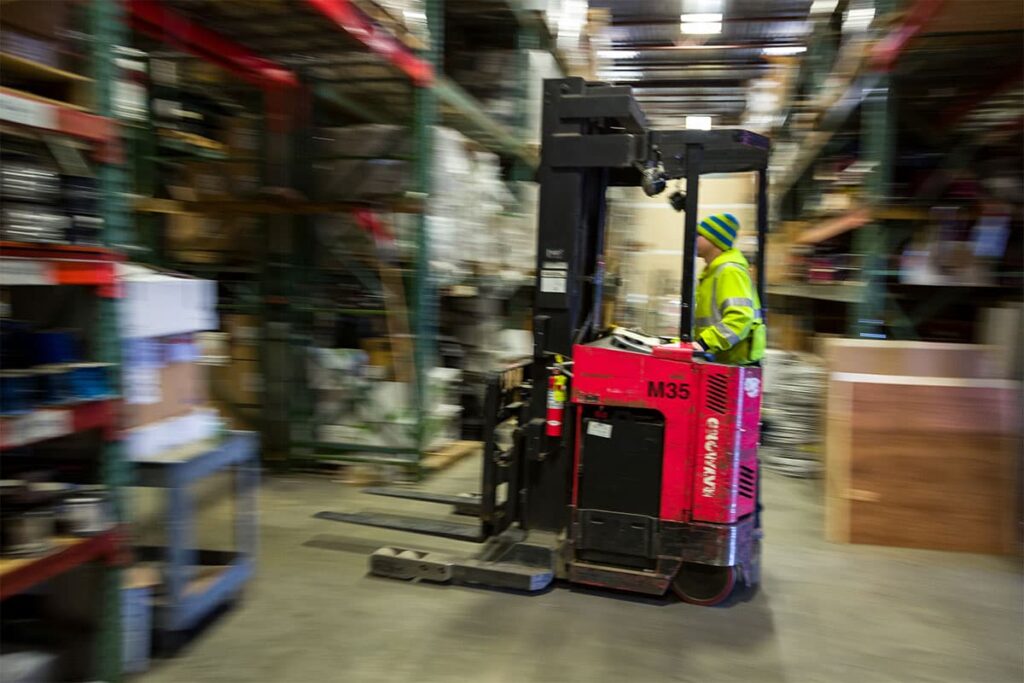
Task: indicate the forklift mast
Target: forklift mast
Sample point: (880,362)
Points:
(595,136)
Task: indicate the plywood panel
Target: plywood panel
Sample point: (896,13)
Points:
(923,462)
(837,461)
(920,359)
(939,408)
(933,491)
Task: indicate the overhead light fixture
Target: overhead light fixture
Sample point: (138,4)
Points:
(858,19)
(570,21)
(784,50)
(622,75)
(823,7)
(700,24)
(698,123)
(618,54)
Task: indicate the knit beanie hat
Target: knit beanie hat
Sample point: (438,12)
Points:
(720,229)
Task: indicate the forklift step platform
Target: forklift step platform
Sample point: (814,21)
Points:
(409,564)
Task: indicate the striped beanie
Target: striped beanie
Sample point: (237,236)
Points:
(719,229)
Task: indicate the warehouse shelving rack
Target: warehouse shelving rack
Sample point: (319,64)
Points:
(95,267)
(356,66)
(861,84)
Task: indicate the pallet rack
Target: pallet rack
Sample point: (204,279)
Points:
(58,265)
(856,91)
(354,66)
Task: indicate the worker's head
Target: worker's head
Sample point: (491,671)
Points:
(716,234)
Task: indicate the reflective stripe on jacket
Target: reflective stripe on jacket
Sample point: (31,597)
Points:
(728,319)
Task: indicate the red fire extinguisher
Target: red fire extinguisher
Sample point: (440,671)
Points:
(556,403)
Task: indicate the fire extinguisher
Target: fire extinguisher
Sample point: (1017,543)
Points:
(556,403)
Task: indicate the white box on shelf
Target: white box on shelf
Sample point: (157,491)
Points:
(159,304)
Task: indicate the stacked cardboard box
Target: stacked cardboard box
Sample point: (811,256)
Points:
(208,236)
(164,384)
(362,162)
(367,162)
(240,380)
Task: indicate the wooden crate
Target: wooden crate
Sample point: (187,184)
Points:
(921,461)
(917,359)
(787,331)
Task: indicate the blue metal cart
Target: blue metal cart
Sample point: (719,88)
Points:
(189,594)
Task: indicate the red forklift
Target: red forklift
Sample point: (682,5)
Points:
(611,458)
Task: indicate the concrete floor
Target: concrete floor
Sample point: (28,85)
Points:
(826,612)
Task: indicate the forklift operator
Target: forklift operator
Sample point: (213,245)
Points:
(728,321)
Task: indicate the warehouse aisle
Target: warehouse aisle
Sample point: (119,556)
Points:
(827,612)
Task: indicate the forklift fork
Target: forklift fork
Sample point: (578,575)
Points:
(507,559)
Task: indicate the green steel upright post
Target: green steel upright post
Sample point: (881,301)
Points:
(143,145)
(307,279)
(106,29)
(527,38)
(878,136)
(424,296)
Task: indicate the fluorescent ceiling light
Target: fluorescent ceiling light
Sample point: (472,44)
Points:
(824,6)
(784,50)
(706,17)
(705,23)
(698,28)
(624,75)
(618,54)
(858,19)
(698,122)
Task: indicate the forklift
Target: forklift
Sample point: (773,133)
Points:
(647,477)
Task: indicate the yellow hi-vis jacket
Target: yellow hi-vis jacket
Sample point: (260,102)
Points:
(728,320)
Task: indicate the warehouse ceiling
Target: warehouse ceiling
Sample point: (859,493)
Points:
(698,57)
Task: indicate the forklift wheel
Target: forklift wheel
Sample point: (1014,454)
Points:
(704,584)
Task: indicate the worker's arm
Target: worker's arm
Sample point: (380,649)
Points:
(736,305)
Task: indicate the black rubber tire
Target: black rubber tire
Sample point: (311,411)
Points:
(704,584)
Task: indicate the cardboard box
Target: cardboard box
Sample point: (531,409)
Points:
(200,181)
(163,378)
(159,304)
(243,135)
(787,332)
(360,178)
(778,269)
(197,232)
(369,140)
(244,334)
(245,179)
(239,383)
(181,389)
(198,238)
(378,351)
(26,16)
